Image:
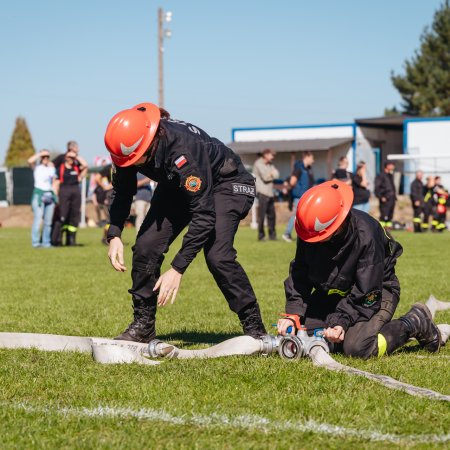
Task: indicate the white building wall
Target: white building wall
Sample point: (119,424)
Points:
(429,138)
(285,134)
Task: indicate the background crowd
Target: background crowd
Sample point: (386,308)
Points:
(430,201)
(56,199)
(57,196)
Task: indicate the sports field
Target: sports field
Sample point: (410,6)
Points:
(66,400)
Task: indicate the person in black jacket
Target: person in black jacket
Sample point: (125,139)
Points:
(343,279)
(385,191)
(416,194)
(428,202)
(202,184)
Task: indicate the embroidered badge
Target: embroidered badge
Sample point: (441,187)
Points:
(193,184)
(180,161)
(371,298)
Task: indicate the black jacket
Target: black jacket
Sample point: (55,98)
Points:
(416,191)
(356,266)
(188,164)
(384,186)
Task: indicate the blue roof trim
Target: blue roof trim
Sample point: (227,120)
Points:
(290,127)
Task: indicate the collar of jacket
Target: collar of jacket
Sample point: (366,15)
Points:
(344,241)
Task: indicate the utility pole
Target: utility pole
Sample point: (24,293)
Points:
(162,34)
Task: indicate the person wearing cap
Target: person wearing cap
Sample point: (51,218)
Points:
(265,172)
(69,175)
(43,198)
(343,279)
(203,185)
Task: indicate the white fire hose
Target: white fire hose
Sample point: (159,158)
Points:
(108,351)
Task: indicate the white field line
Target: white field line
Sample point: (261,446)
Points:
(249,422)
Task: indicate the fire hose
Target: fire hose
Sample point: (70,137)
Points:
(108,351)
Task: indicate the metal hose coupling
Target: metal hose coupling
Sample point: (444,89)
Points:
(300,346)
(158,349)
(269,344)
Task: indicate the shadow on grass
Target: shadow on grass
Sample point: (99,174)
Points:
(197,337)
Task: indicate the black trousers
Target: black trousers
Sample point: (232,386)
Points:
(417,218)
(266,207)
(387,210)
(70,206)
(361,339)
(165,221)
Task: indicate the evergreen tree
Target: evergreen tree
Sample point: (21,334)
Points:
(425,86)
(21,145)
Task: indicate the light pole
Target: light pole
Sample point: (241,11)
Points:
(162,34)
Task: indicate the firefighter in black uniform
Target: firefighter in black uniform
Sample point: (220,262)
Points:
(440,196)
(417,196)
(201,183)
(385,191)
(428,203)
(343,279)
(69,174)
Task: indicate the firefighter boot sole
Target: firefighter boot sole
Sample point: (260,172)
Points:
(427,334)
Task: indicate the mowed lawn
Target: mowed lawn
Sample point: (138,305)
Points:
(66,400)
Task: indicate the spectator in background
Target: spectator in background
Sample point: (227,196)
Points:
(43,199)
(142,199)
(265,172)
(301,180)
(69,175)
(385,191)
(102,197)
(102,192)
(440,200)
(71,146)
(428,203)
(341,173)
(416,195)
(360,186)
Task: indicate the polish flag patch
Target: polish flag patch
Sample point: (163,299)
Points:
(181,161)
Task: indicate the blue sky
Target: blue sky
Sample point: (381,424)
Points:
(69,66)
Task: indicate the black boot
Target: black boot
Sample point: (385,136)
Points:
(420,325)
(71,238)
(251,321)
(142,329)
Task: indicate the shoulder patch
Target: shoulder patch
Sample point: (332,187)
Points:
(371,298)
(193,184)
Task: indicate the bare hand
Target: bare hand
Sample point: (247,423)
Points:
(115,254)
(168,285)
(283,325)
(417,203)
(383,199)
(335,334)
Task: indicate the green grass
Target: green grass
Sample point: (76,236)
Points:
(74,291)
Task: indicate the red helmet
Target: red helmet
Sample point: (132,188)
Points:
(322,210)
(130,133)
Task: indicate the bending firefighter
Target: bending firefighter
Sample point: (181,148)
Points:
(202,184)
(343,279)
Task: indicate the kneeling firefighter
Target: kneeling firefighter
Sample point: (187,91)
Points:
(343,279)
(201,183)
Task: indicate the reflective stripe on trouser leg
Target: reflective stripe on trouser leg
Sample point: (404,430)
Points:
(382,345)
(71,228)
(417,220)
